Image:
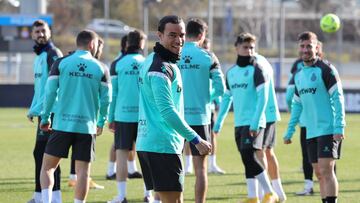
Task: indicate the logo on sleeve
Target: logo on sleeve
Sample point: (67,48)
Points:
(81,73)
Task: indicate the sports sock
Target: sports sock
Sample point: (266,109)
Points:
(73,177)
(331,199)
(132,166)
(79,201)
(56,196)
(277,186)
(46,195)
(252,185)
(308,184)
(260,191)
(121,190)
(37,196)
(111,168)
(264,182)
(212,160)
(188,162)
(147,193)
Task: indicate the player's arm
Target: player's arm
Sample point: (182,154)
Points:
(225,105)
(290,90)
(161,88)
(333,85)
(51,88)
(296,107)
(105,98)
(217,79)
(114,82)
(262,91)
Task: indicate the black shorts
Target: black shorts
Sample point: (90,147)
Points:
(269,135)
(245,141)
(162,172)
(204,132)
(323,147)
(125,135)
(83,145)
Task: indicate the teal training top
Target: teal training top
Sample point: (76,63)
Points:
(290,89)
(197,66)
(319,96)
(82,85)
(246,85)
(162,127)
(42,65)
(125,96)
(272,112)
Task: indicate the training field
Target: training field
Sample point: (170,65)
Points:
(17,165)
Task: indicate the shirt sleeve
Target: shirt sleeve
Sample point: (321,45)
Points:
(290,90)
(217,79)
(52,56)
(51,88)
(161,89)
(223,111)
(105,97)
(114,82)
(294,117)
(262,96)
(333,85)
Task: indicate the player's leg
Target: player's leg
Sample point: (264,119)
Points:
(329,151)
(213,167)
(83,153)
(188,164)
(131,164)
(306,165)
(111,169)
(312,150)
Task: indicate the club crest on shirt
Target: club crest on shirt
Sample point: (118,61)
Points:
(313,77)
(246,73)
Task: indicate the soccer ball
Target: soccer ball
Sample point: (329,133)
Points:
(330,23)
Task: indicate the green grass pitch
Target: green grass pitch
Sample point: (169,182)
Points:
(17,165)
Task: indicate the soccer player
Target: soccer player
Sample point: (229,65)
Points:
(82,86)
(73,176)
(162,128)
(197,68)
(215,102)
(46,53)
(246,86)
(124,108)
(267,155)
(306,165)
(319,98)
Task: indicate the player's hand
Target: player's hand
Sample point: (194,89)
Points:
(30,118)
(253,133)
(338,137)
(286,141)
(45,127)
(99,130)
(204,147)
(112,127)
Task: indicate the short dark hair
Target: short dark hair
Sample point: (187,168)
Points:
(245,37)
(85,37)
(123,44)
(169,19)
(39,23)
(134,38)
(195,26)
(307,35)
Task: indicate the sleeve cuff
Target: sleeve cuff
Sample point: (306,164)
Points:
(196,140)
